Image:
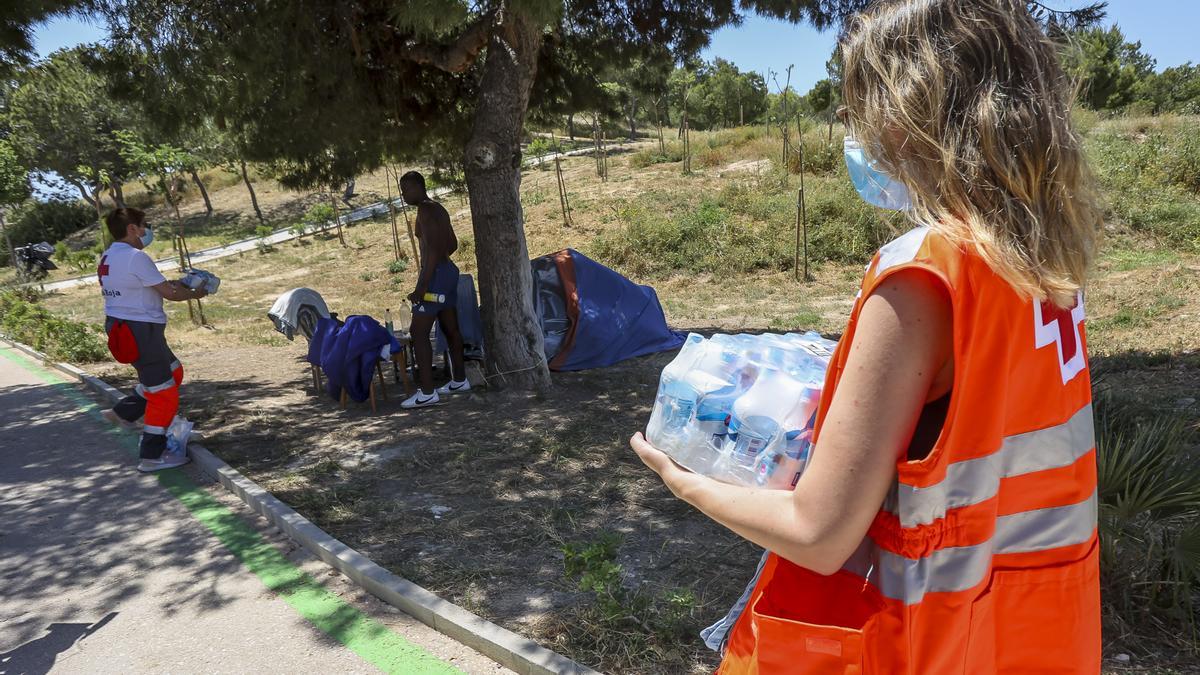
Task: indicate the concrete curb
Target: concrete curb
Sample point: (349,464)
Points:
(510,650)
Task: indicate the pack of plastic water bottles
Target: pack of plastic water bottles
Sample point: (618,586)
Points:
(741,408)
(196,278)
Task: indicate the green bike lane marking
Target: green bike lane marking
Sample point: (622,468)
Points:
(369,639)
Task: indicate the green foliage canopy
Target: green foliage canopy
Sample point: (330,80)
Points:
(61,119)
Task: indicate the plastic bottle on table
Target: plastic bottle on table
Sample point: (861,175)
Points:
(405,316)
(387,321)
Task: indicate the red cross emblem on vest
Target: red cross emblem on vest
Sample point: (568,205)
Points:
(102,270)
(1060,327)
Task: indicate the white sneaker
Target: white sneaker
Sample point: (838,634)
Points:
(421,400)
(453,387)
(112,416)
(168,460)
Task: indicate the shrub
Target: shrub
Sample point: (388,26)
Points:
(539,146)
(644,158)
(1149,494)
(398,266)
(317,217)
(747,227)
(79,261)
(1149,174)
(48,221)
(24,320)
(819,156)
(710,158)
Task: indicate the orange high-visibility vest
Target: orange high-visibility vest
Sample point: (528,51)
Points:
(984,556)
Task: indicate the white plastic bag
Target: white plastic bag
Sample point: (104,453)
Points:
(177,435)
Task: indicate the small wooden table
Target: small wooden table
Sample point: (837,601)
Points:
(400,362)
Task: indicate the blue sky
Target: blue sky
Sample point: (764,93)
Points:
(1165,27)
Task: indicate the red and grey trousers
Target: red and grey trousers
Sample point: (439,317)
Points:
(156,396)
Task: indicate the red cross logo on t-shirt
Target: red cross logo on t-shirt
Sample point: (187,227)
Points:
(102,270)
(1053,324)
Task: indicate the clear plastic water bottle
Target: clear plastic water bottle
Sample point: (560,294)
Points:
(756,423)
(673,405)
(714,409)
(781,468)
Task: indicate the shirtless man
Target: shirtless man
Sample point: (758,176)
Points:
(436,295)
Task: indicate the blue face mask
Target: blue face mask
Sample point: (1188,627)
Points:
(148,237)
(874,186)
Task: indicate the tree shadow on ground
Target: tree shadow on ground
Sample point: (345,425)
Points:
(477,498)
(78,530)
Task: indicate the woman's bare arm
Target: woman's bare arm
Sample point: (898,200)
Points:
(903,340)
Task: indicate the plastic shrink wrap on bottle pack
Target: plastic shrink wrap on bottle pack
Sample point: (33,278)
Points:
(741,408)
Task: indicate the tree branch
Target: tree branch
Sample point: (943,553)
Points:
(456,57)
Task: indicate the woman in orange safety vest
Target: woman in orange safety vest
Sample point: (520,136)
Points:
(946,522)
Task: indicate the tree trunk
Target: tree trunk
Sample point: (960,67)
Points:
(87,197)
(208,208)
(633,119)
(253,197)
(662,147)
(571,125)
(513,338)
(119,194)
(8,240)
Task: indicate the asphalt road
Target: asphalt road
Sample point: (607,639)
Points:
(103,569)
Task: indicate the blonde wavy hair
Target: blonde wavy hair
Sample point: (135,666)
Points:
(965,102)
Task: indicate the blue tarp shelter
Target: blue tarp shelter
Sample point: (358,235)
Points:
(593,317)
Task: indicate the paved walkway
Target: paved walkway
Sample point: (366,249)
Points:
(104,570)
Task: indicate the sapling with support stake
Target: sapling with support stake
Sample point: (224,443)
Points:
(562,191)
(801,216)
(392,213)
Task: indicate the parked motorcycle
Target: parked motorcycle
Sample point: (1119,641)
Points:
(33,261)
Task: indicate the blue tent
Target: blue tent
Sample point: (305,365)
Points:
(593,317)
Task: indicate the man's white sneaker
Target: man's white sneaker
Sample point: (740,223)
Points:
(112,416)
(453,387)
(421,400)
(169,460)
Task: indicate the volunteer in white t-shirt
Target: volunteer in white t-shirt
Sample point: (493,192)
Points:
(134,291)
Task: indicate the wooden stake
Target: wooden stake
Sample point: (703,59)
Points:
(562,191)
(687,137)
(801,216)
(337,220)
(392,212)
(662,147)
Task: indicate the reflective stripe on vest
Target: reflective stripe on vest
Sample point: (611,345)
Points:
(960,568)
(974,481)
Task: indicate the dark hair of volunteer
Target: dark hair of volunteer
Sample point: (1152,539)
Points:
(946,520)
(133,290)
